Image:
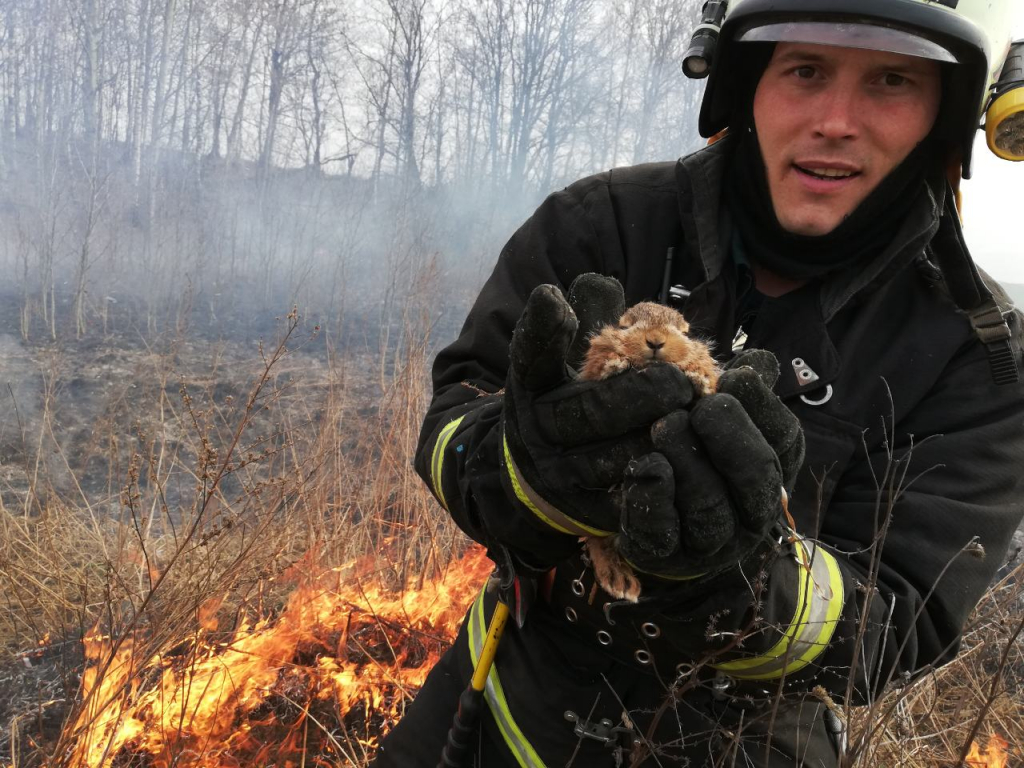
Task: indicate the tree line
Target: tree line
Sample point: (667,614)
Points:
(182,148)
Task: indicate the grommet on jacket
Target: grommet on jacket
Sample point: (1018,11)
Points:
(684,670)
(632,637)
(804,373)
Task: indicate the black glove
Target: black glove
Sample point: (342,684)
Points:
(706,499)
(567,443)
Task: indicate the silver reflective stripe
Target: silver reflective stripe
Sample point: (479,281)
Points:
(818,607)
(494,695)
(541,508)
(437,458)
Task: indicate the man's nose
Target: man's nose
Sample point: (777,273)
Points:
(837,117)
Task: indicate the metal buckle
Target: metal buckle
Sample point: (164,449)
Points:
(804,373)
(721,684)
(678,293)
(603,731)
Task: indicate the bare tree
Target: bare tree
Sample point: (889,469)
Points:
(285,25)
(116,114)
(252,21)
(392,63)
(665,25)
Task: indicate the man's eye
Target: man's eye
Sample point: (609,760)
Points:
(805,72)
(894,80)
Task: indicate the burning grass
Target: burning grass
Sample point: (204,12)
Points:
(316,684)
(274,583)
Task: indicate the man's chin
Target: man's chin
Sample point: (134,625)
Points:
(815,224)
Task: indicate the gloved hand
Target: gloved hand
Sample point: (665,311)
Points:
(567,442)
(705,500)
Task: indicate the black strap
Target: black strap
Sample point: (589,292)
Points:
(971,295)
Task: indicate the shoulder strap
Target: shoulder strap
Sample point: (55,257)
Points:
(973,296)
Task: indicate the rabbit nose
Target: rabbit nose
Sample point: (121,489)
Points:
(655,345)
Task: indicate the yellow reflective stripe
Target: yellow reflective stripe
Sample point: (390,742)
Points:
(836,599)
(541,508)
(820,601)
(437,458)
(494,694)
(780,648)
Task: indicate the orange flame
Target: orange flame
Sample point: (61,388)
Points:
(993,756)
(321,682)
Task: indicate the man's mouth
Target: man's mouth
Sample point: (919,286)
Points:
(826,173)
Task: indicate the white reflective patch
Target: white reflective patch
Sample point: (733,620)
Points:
(867,36)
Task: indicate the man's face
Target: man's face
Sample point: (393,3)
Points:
(833,122)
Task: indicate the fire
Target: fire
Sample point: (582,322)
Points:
(993,756)
(318,685)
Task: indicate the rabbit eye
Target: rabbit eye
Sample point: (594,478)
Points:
(623,326)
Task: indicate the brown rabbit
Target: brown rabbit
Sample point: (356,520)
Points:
(650,333)
(647,333)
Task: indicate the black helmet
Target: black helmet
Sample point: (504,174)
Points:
(972,36)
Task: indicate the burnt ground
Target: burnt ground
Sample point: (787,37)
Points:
(39,687)
(74,407)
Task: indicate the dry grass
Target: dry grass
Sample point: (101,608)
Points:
(211,497)
(934,721)
(219,495)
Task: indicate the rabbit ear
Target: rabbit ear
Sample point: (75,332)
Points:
(597,300)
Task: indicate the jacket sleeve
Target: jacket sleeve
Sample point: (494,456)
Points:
(459,454)
(912,537)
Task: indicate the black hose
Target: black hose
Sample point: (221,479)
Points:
(462,735)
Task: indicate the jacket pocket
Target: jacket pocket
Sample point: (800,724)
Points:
(830,443)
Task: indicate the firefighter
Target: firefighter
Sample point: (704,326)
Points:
(822,229)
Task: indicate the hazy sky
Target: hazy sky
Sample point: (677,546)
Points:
(994,204)
(993,207)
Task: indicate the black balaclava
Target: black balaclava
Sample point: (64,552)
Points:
(860,236)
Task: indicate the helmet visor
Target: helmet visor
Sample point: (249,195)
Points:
(848,35)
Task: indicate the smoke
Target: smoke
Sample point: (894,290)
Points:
(204,167)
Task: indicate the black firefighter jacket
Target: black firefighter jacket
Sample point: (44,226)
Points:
(911,483)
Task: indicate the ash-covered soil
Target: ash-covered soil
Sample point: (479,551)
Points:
(38,688)
(71,413)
